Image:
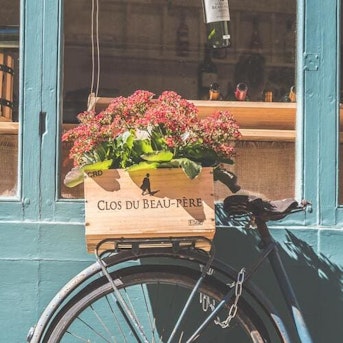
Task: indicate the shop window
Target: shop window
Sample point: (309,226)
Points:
(9,86)
(159,46)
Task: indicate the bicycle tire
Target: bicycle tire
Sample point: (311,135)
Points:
(151,285)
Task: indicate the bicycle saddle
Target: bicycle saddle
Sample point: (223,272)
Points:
(266,210)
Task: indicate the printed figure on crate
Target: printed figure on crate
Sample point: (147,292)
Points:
(146,187)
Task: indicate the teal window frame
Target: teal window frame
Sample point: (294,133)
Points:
(317,142)
(318,110)
(40,49)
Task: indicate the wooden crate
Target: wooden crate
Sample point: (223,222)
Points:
(6,86)
(117,207)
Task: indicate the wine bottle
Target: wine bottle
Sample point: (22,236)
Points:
(207,74)
(289,42)
(217,19)
(256,42)
(182,39)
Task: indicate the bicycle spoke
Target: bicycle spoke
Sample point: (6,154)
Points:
(185,308)
(156,297)
(102,323)
(152,320)
(115,318)
(97,333)
(78,337)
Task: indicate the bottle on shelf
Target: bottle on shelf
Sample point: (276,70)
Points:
(289,42)
(241,91)
(268,95)
(217,19)
(182,37)
(256,41)
(292,94)
(207,74)
(214,92)
(268,92)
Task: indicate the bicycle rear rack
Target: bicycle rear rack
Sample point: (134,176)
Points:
(136,244)
(176,244)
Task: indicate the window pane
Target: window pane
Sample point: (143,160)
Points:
(160,46)
(9,86)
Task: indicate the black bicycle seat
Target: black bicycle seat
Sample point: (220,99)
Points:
(266,210)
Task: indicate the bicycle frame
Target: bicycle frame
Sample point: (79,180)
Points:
(269,251)
(272,250)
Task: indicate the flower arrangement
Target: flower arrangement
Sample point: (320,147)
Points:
(140,132)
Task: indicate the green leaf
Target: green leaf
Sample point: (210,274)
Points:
(199,153)
(100,153)
(74,177)
(158,156)
(127,138)
(211,34)
(191,168)
(77,175)
(143,166)
(157,139)
(103,165)
(174,163)
(142,146)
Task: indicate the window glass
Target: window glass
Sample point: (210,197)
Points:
(160,45)
(9,87)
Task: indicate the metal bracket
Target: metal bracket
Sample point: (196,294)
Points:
(42,123)
(6,69)
(5,102)
(312,61)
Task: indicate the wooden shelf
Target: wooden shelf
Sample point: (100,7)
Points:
(9,44)
(8,128)
(254,115)
(268,135)
(258,121)
(249,115)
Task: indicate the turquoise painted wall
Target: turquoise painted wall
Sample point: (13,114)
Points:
(38,259)
(42,239)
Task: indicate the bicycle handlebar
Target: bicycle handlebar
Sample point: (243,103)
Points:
(227,178)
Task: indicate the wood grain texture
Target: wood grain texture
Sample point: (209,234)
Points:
(117,206)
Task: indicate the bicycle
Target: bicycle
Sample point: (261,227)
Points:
(167,290)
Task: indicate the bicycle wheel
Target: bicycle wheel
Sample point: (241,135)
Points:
(156,295)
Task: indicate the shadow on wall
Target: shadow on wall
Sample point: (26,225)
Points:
(317,280)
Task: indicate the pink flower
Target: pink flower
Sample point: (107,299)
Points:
(169,121)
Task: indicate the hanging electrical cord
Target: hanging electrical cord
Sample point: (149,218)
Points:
(92,43)
(95,55)
(97,48)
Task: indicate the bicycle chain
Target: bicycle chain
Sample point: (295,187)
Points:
(206,301)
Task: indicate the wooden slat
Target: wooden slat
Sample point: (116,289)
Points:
(257,115)
(268,135)
(6,86)
(8,128)
(249,115)
(176,206)
(2,60)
